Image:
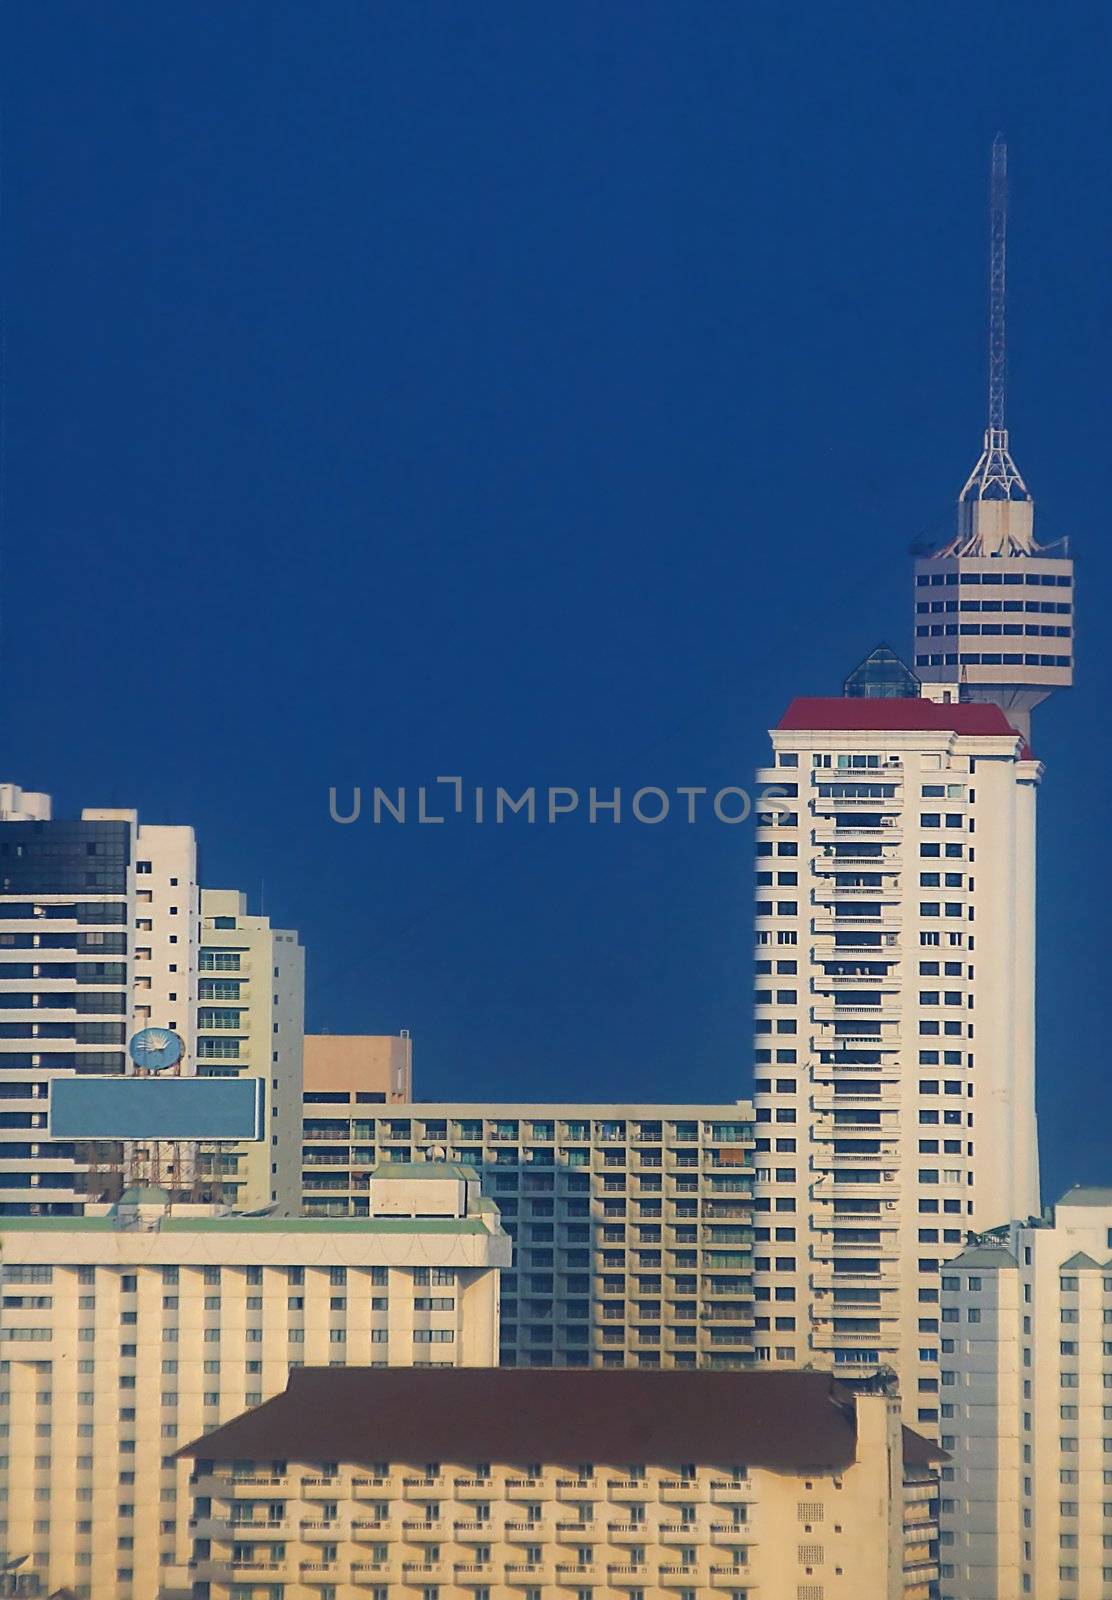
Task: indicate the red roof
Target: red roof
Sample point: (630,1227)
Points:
(897,716)
(783,1421)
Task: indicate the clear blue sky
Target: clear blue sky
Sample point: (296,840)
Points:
(543,394)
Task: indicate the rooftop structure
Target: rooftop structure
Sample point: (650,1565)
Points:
(545,1482)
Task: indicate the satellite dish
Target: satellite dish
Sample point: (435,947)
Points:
(155,1049)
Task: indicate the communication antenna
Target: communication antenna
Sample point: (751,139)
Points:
(997,275)
(996,476)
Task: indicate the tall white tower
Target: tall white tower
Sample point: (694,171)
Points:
(993,609)
(894,1024)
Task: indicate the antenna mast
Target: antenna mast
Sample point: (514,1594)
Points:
(996,476)
(998,247)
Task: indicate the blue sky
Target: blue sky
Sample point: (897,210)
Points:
(545,395)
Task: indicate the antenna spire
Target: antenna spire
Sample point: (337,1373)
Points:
(998,247)
(996,476)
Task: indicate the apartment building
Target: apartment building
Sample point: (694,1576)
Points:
(251,1022)
(1027,1408)
(97,933)
(466,1485)
(126,1332)
(358,1068)
(631,1223)
(894,1076)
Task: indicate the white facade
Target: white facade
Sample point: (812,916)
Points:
(251,1023)
(1027,1409)
(894,1024)
(632,1224)
(85,957)
(130,1332)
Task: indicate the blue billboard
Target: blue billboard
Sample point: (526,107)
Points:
(208,1109)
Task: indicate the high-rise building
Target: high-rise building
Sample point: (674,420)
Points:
(126,1332)
(1027,1408)
(455,1485)
(993,609)
(251,1022)
(97,933)
(631,1223)
(358,1068)
(894,1022)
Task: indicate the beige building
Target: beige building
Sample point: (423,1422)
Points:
(894,1048)
(632,1224)
(369,1068)
(130,1331)
(251,1023)
(530,1485)
(98,937)
(1027,1408)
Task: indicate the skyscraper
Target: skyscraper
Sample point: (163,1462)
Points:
(77,968)
(894,1072)
(251,1022)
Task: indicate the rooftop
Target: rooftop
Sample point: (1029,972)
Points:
(1087,1194)
(242,1224)
(784,1421)
(425,1170)
(883,715)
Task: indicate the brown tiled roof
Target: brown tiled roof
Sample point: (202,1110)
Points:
(921,1454)
(791,1421)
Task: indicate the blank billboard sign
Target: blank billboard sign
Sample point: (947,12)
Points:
(208,1109)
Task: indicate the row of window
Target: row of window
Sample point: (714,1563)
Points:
(1046,580)
(991,660)
(1058,608)
(994,630)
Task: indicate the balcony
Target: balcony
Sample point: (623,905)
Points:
(681,1577)
(424,1488)
(728,1577)
(827,1159)
(730,1533)
(636,1489)
(627,1577)
(474,1571)
(575,1532)
(627,1532)
(426,1572)
(730,1491)
(573,1489)
(321,1530)
(581,1572)
(524,1532)
(680,1491)
(361,1528)
(373,1489)
(368,1571)
(889,832)
(419,1529)
(472,1532)
(524,1488)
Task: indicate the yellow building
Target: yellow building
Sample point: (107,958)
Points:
(528,1485)
(633,1225)
(125,1332)
(251,1023)
(358,1068)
